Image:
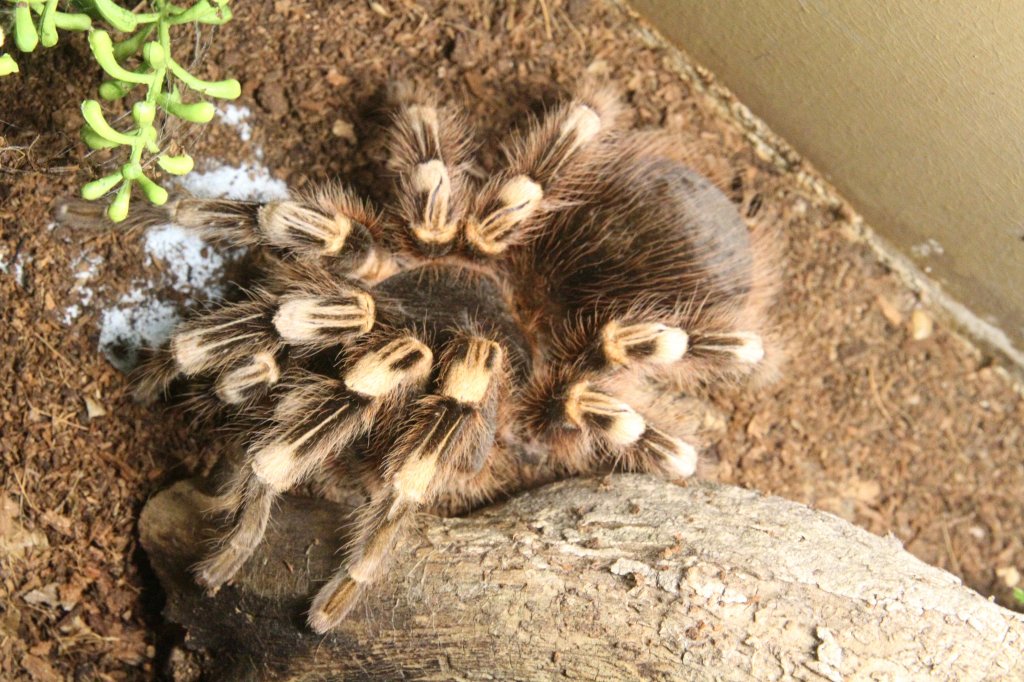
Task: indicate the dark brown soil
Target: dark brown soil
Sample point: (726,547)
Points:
(918,438)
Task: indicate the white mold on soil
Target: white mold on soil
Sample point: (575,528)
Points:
(182,269)
(238,118)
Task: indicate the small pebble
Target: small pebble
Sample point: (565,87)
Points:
(336,79)
(921,325)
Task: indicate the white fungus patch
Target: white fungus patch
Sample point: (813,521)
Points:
(183,269)
(13,265)
(182,264)
(190,265)
(19,269)
(246,181)
(237,117)
(84,270)
(137,321)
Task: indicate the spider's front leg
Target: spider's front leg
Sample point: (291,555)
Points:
(242,344)
(316,419)
(327,225)
(429,152)
(511,203)
(447,431)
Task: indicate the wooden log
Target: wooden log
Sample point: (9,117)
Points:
(617,578)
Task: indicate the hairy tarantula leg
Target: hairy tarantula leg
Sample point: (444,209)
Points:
(428,151)
(659,452)
(228,336)
(744,347)
(242,383)
(645,342)
(326,223)
(445,429)
(637,444)
(316,322)
(314,421)
(245,337)
(614,421)
(507,205)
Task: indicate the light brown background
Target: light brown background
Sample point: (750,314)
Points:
(913,109)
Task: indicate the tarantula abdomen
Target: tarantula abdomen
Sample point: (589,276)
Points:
(469,339)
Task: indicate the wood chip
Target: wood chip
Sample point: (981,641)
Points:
(889,311)
(1009,575)
(93,409)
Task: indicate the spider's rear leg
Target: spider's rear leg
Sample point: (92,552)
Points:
(603,353)
(634,443)
(315,420)
(445,432)
(509,205)
(653,343)
(429,152)
(736,347)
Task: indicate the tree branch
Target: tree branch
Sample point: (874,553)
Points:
(620,578)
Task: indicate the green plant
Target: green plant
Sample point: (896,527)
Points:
(1018,594)
(142,57)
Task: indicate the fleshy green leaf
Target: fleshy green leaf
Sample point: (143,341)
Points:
(116,16)
(93,114)
(154,55)
(94,140)
(8,65)
(25,35)
(111,90)
(197,112)
(72,22)
(176,165)
(92,191)
(118,209)
(156,194)
(48,25)
(103,50)
(144,113)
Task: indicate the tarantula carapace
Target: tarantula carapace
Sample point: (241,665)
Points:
(474,336)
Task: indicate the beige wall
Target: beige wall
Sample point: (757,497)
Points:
(914,109)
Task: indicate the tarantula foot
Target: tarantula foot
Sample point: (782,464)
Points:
(617,422)
(212,573)
(674,457)
(746,347)
(302,319)
(432,183)
(332,603)
(659,344)
(516,202)
(238,385)
(292,224)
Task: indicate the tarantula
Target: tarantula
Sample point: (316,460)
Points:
(474,337)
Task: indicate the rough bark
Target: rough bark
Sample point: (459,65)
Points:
(621,578)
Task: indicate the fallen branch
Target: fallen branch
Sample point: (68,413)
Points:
(621,578)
